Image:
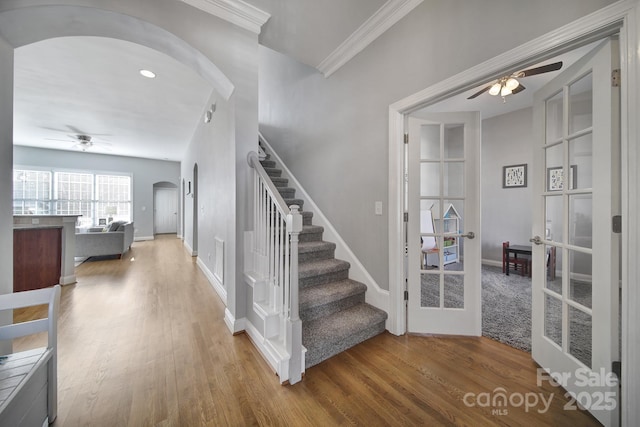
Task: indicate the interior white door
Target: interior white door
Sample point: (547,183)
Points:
(443,229)
(165,210)
(575,285)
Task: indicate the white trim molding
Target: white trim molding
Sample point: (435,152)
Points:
(235,11)
(621,17)
(390,13)
(216,284)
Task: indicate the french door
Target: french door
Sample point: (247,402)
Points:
(575,285)
(443,242)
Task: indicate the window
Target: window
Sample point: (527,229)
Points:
(31,192)
(99,198)
(113,197)
(74,195)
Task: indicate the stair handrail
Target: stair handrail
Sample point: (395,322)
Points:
(254,161)
(276,234)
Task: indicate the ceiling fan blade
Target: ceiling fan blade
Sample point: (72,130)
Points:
(480,92)
(540,70)
(54,139)
(520,88)
(77,131)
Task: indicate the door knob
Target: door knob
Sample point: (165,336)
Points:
(469,235)
(537,240)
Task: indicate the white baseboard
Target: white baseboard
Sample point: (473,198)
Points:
(234,325)
(215,284)
(492,263)
(67,280)
(258,341)
(143,238)
(190,250)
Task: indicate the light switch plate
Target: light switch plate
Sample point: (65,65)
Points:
(378,209)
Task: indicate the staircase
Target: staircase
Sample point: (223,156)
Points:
(333,310)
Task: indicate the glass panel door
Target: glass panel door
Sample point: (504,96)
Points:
(444,263)
(575,274)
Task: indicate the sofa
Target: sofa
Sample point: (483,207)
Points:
(115,239)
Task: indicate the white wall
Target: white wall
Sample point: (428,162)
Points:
(145,173)
(333,133)
(506,212)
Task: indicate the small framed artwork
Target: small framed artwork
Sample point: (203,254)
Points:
(514,176)
(555,178)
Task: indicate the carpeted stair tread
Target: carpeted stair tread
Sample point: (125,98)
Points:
(317,246)
(287,192)
(323,266)
(286,189)
(325,300)
(291,202)
(311,230)
(279,181)
(307,217)
(272,172)
(328,336)
(332,307)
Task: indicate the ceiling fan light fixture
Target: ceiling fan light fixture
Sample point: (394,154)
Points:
(495,89)
(505,91)
(512,83)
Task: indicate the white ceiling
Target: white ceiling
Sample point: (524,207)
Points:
(89,85)
(92,85)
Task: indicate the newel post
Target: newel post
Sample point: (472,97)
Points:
(294,325)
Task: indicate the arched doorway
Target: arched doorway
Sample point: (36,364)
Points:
(194,245)
(183,200)
(28,25)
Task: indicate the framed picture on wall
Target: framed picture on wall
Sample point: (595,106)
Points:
(514,176)
(555,178)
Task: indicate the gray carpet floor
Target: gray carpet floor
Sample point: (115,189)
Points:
(506,309)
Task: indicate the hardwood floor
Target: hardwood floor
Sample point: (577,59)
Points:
(142,342)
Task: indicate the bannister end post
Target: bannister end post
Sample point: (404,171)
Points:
(252,156)
(294,219)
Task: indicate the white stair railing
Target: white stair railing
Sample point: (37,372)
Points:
(276,230)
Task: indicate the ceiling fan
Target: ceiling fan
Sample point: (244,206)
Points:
(83,142)
(508,85)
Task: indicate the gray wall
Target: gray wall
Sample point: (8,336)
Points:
(506,212)
(6,180)
(333,133)
(145,173)
(232,49)
(212,148)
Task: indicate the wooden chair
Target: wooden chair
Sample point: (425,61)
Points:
(524,263)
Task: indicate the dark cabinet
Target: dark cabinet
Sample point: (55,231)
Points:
(37,254)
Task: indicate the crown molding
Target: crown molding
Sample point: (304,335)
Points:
(390,13)
(235,11)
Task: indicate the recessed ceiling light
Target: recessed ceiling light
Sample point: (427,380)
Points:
(148,74)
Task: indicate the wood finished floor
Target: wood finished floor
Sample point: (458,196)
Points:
(142,342)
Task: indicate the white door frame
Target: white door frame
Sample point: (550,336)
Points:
(622,17)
